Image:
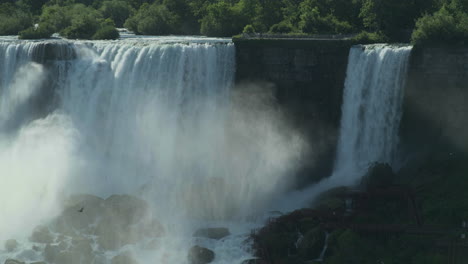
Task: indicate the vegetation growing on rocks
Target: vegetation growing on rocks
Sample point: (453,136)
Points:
(433,21)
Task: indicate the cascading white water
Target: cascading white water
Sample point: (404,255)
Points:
(370,120)
(371,110)
(152,117)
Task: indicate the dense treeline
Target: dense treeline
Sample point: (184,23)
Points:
(429,21)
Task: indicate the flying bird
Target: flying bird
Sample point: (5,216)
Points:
(81,210)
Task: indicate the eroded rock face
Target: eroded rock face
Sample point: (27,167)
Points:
(200,255)
(213,233)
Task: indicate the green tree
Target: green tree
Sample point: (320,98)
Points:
(312,21)
(222,20)
(449,25)
(117,10)
(154,19)
(13,19)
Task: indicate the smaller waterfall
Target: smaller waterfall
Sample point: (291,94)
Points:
(371,110)
(371,114)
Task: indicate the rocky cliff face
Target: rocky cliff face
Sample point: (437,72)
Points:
(308,78)
(309,75)
(436,100)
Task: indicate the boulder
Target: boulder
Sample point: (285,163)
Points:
(125,209)
(126,220)
(80,212)
(13,261)
(41,234)
(51,252)
(11,245)
(213,233)
(200,255)
(123,259)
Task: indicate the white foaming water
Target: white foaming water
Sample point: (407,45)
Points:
(371,113)
(152,117)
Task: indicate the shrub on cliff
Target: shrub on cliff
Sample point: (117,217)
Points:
(282,27)
(82,27)
(40,32)
(154,19)
(370,37)
(449,25)
(249,29)
(106,30)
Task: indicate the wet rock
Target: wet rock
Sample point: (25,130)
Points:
(152,245)
(152,228)
(36,248)
(41,234)
(81,249)
(13,261)
(123,259)
(200,255)
(99,259)
(126,209)
(11,245)
(378,175)
(311,245)
(80,212)
(126,220)
(51,252)
(28,254)
(213,233)
(254,261)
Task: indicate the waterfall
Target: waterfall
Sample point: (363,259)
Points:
(156,118)
(370,119)
(371,110)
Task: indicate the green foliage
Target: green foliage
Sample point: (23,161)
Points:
(223,20)
(282,27)
(249,29)
(106,30)
(392,18)
(313,22)
(58,17)
(449,25)
(370,37)
(41,32)
(13,19)
(83,22)
(117,10)
(154,19)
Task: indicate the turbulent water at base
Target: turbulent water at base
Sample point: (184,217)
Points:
(370,120)
(152,117)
